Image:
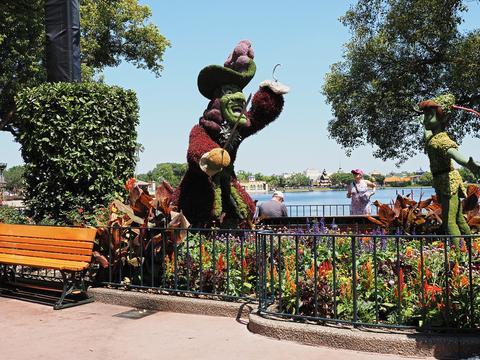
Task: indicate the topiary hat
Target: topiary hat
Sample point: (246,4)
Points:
(239,69)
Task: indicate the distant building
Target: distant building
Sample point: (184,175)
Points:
(255,186)
(149,186)
(324,180)
(394,180)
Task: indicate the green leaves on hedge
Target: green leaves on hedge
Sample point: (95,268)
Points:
(78,141)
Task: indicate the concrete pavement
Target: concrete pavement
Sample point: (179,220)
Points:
(100,331)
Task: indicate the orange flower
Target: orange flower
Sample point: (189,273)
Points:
(456,269)
(311,271)
(431,290)
(464,280)
(409,251)
(440,245)
(325,268)
(475,246)
(220,263)
(130,183)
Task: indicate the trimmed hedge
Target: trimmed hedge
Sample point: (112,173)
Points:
(78,142)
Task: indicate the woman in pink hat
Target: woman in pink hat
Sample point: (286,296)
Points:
(360,193)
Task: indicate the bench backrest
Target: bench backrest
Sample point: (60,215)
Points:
(50,242)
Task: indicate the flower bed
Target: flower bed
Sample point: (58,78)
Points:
(399,280)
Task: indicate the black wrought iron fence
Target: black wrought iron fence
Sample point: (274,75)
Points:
(400,281)
(218,262)
(325,210)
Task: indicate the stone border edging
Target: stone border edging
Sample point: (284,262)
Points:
(172,303)
(414,344)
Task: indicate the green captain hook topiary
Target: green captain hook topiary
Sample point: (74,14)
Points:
(210,192)
(442,151)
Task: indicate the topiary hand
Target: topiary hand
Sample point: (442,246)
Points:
(474,167)
(214,161)
(276,86)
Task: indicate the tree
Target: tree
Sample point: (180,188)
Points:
(14,178)
(111,31)
(341,179)
(426,179)
(467,175)
(401,52)
(298,180)
(172,172)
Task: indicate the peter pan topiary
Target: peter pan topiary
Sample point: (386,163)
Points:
(441,150)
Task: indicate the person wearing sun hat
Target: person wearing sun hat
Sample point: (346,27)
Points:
(360,191)
(210,193)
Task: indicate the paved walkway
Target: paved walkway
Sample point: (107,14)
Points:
(96,331)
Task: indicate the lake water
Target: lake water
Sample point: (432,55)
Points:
(315,200)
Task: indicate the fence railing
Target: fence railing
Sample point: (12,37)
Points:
(326,210)
(221,263)
(422,282)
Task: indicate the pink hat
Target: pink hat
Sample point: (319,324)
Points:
(357,172)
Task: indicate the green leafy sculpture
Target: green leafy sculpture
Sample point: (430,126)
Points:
(441,150)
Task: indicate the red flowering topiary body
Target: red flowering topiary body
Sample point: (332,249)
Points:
(195,195)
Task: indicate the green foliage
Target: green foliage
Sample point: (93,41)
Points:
(446,101)
(297,180)
(111,31)
(10,215)
(341,179)
(401,52)
(426,179)
(14,178)
(78,142)
(22,51)
(172,172)
(467,175)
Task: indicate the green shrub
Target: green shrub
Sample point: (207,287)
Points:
(9,215)
(78,142)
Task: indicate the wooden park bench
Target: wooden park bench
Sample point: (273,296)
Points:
(67,250)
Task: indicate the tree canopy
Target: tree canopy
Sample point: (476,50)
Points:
(111,31)
(14,178)
(171,172)
(401,52)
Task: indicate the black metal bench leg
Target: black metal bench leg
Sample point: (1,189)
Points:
(69,286)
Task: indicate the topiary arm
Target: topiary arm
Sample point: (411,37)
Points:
(199,144)
(461,159)
(266,107)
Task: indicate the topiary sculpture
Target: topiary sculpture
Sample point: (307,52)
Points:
(210,193)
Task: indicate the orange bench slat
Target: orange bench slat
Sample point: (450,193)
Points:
(49,232)
(46,248)
(45,241)
(45,255)
(11,259)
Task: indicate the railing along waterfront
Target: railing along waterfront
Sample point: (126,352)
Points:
(325,210)
(217,262)
(376,280)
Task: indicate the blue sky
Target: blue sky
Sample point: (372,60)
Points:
(304,36)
